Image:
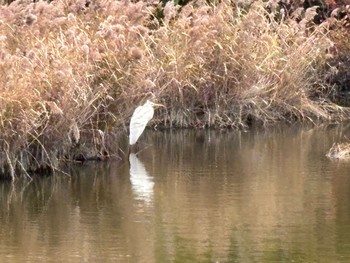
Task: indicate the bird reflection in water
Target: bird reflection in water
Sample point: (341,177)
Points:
(142,183)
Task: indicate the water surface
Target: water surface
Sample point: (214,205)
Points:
(189,196)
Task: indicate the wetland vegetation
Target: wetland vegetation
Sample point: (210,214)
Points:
(72,72)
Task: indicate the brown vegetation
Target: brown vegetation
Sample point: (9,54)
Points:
(73,71)
(340,151)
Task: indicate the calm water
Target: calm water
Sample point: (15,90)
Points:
(189,196)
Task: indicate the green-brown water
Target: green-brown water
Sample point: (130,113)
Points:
(189,196)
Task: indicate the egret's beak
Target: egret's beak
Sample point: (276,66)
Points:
(157,105)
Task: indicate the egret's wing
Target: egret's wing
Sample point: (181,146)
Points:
(141,116)
(142,183)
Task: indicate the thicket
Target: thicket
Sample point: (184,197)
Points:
(72,72)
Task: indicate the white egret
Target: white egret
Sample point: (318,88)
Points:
(139,119)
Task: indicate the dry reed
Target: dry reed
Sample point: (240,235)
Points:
(73,71)
(340,151)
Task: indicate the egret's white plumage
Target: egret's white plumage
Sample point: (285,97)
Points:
(141,116)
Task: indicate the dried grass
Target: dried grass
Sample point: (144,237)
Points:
(340,151)
(72,73)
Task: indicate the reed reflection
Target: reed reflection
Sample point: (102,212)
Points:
(205,196)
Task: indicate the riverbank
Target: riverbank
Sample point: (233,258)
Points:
(73,72)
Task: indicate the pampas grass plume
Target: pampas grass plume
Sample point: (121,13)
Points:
(135,53)
(85,49)
(55,110)
(71,18)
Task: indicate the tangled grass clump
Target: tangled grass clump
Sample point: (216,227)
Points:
(339,151)
(73,71)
